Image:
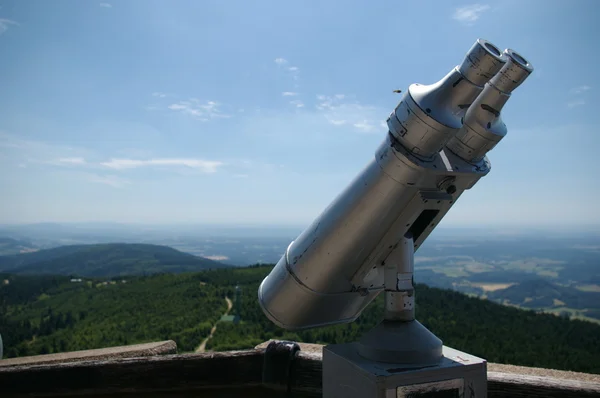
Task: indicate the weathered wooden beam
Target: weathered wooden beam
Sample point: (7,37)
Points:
(505,385)
(129,351)
(224,371)
(223,374)
(308,379)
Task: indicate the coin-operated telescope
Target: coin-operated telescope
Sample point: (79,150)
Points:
(363,244)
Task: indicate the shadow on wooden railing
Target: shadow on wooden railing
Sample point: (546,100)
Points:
(259,372)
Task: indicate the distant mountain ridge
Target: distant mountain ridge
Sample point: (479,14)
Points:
(10,246)
(106,260)
(537,292)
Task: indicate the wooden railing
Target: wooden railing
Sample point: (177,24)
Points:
(266,371)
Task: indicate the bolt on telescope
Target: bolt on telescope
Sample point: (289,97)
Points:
(356,248)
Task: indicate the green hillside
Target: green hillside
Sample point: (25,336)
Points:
(47,314)
(106,260)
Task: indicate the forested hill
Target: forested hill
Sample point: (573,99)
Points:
(106,260)
(45,314)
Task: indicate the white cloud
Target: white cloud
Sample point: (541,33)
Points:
(106,5)
(75,160)
(19,150)
(365,126)
(580,89)
(113,181)
(205,166)
(294,71)
(469,14)
(289,94)
(338,110)
(201,111)
(159,94)
(85,166)
(5,24)
(243,168)
(297,103)
(134,153)
(576,103)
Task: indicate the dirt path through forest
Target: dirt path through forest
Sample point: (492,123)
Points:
(202,346)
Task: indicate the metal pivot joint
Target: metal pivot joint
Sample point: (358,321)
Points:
(399,338)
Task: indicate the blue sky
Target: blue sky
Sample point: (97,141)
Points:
(244,112)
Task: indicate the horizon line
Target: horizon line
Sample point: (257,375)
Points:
(288,225)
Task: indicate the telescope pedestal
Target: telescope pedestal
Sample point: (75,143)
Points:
(395,341)
(400,357)
(347,374)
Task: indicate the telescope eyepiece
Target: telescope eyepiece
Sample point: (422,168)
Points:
(513,74)
(430,115)
(482,62)
(483,127)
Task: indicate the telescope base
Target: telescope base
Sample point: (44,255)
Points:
(406,342)
(346,374)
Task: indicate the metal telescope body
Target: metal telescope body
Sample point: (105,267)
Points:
(362,244)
